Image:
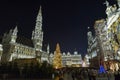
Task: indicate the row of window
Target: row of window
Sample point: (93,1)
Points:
(24,50)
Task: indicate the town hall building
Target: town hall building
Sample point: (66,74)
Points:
(14,47)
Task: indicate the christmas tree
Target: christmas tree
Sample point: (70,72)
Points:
(57,61)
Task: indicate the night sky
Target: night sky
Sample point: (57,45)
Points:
(64,21)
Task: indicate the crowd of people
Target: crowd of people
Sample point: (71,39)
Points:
(89,74)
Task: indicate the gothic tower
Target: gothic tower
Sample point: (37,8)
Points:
(14,35)
(10,37)
(37,34)
(8,41)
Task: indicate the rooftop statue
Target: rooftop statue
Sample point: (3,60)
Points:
(114,8)
(108,9)
(107,3)
(118,2)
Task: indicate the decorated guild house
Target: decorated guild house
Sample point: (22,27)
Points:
(107,37)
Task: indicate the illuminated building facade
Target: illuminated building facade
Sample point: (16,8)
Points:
(107,33)
(92,43)
(92,50)
(69,60)
(15,47)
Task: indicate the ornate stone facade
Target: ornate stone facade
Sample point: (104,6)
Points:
(92,56)
(15,47)
(69,60)
(107,33)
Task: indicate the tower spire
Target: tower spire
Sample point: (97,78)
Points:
(39,16)
(37,34)
(15,31)
(14,35)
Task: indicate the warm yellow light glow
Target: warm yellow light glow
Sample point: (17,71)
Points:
(57,61)
(56,67)
(117,67)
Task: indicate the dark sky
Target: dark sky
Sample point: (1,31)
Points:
(64,21)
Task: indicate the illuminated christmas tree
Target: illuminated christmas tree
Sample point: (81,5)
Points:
(57,61)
